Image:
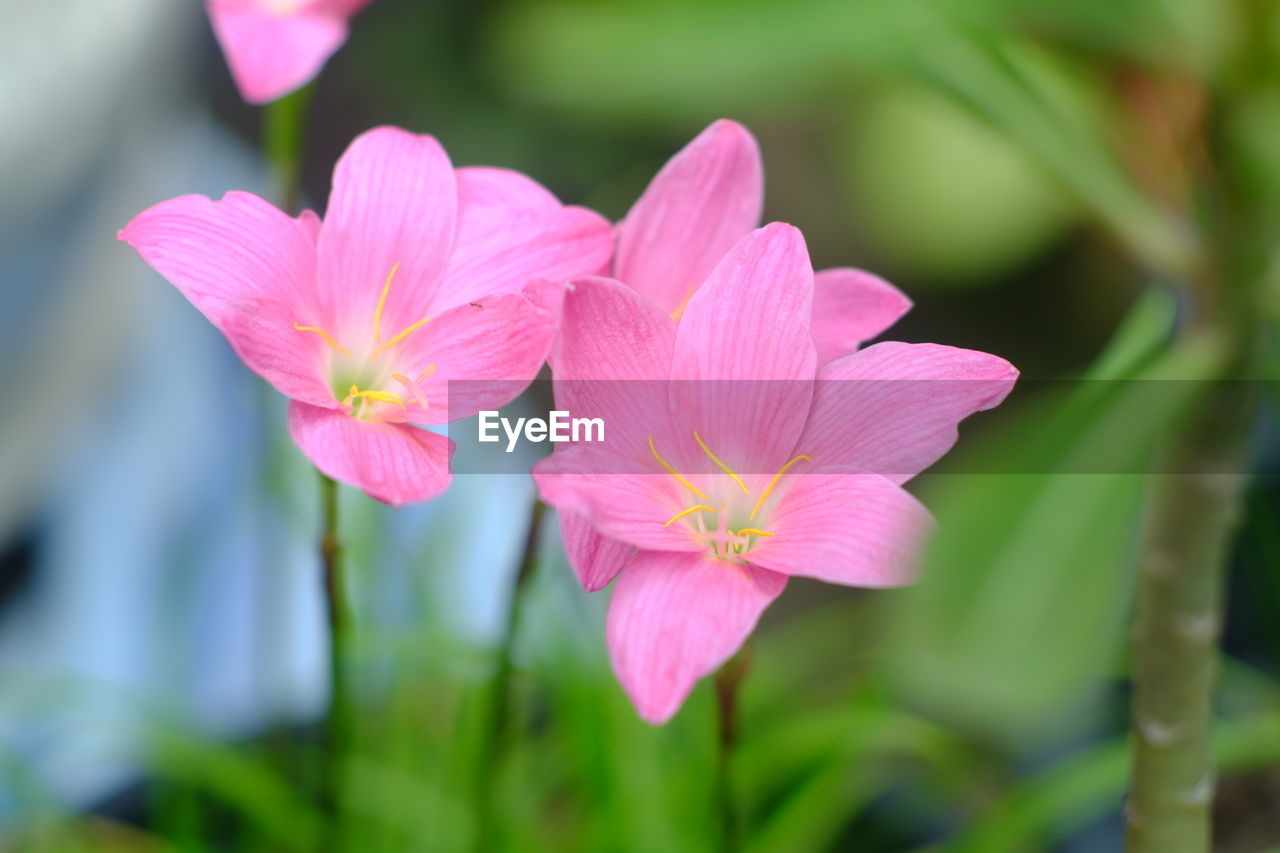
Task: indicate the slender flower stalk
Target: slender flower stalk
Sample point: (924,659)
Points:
(283,123)
(728,679)
(337,609)
(499,692)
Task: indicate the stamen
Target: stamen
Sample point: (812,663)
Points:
(723,467)
(672,471)
(684,303)
(382,300)
(400,337)
(328,339)
(682,514)
(768,490)
(751,531)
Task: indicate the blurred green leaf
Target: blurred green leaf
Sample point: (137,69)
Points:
(947,198)
(1028,580)
(1071,793)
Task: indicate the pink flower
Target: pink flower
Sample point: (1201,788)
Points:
(703,201)
(420,274)
(277,46)
(708,495)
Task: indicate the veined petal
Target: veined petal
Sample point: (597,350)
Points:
(393,207)
(501,247)
(488,186)
(595,559)
(893,409)
(850,307)
(620,496)
(705,199)
(612,359)
(394,463)
(264,335)
(674,618)
(271,55)
(749,323)
(217,252)
(482,354)
(844,527)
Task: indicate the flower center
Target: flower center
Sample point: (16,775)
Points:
(284,8)
(361,382)
(736,531)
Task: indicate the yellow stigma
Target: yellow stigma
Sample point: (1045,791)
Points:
(768,490)
(328,339)
(672,471)
(382,300)
(723,467)
(689,511)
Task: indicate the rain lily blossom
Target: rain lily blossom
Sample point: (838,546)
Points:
(699,205)
(710,494)
(418,275)
(703,201)
(276,46)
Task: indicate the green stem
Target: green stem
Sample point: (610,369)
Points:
(1193,519)
(283,125)
(337,610)
(499,689)
(728,679)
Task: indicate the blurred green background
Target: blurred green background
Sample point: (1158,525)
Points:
(1039,177)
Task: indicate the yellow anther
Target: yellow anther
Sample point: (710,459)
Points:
(327,337)
(400,337)
(351,395)
(382,300)
(381,397)
(690,510)
(672,471)
(751,531)
(768,490)
(723,467)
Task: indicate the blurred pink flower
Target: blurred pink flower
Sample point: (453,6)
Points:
(708,495)
(277,46)
(705,199)
(420,274)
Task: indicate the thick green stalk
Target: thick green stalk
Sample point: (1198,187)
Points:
(1193,519)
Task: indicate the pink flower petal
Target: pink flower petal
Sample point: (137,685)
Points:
(485,353)
(394,463)
(851,306)
(612,360)
(893,409)
(502,246)
(846,528)
(271,55)
(262,333)
(619,496)
(393,206)
(217,252)
(674,618)
(487,186)
(706,198)
(594,558)
(749,322)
